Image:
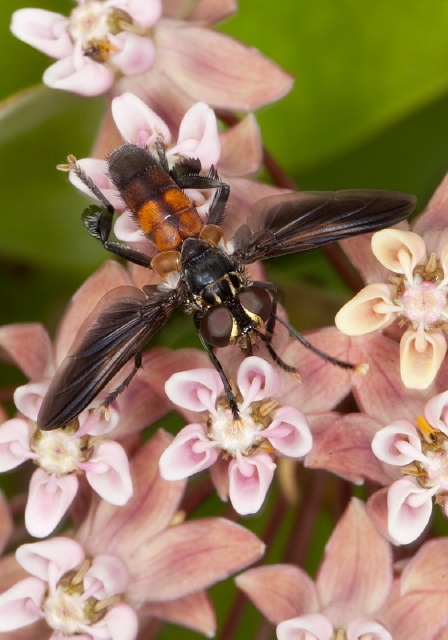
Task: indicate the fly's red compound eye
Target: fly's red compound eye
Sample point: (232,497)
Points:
(216,327)
(257,301)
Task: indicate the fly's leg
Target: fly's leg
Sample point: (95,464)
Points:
(114,395)
(98,220)
(227,388)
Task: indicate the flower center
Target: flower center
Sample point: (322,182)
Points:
(58,451)
(234,436)
(423,301)
(91,24)
(66,611)
(69,608)
(432,471)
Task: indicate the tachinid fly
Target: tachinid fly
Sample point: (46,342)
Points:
(203,273)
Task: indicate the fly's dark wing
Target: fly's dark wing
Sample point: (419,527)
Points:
(116,331)
(304,220)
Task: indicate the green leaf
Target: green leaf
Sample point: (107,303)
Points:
(359,66)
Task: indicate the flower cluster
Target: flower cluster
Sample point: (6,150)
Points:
(125,542)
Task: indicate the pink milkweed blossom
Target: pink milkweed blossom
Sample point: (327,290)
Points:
(416,263)
(62,456)
(352,584)
(171,561)
(421,454)
(77,596)
(174,53)
(126,564)
(249,442)
(235,153)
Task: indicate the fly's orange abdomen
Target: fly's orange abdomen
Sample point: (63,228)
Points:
(161,209)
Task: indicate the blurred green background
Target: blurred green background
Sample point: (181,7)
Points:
(369,109)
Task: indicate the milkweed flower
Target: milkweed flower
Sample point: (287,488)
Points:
(97,40)
(421,455)
(353,582)
(102,41)
(171,561)
(198,138)
(61,456)
(249,442)
(416,295)
(77,596)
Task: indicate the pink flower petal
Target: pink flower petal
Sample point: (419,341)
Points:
(249,480)
(363,580)
(366,628)
(427,569)
(48,499)
(398,444)
(436,412)
(409,509)
(109,573)
(15,438)
(20,605)
(190,452)
(206,11)
(43,30)
(315,626)
(196,390)
(289,432)
(198,136)
(194,611)
(137,54)
(376,507)
(431,223)
(127,230)
(90,79)
(381,393)
(144,12)
(96,424)
(421,355)
(323,385)
(406,617)
(219,474)
(234,77)
(29,347)
(29,398)
(123,530)
(120,623)
(241,149)
(342,445)
(107,472)
(257,379)
(359,251)
(279,591)
(110,275)
(50,559)
(97,172)
(138,123)
(173,564)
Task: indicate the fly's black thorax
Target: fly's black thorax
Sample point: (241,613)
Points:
(210,275)
(213,280)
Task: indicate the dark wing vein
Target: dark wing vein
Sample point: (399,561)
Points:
(116,331)
(304,220)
